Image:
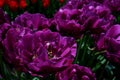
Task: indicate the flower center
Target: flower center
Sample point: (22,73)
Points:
(34,56)
(50,47)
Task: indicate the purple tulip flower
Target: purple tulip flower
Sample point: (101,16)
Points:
(33,21)
(4,22)
(92,17)
(76,72)
(75,4)
(3,17)
(112,44)
(38,53)
(114,5)
(66,22)
(96,18)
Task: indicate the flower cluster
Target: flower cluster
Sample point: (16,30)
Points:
(76,20)
(41,46)
(30,46)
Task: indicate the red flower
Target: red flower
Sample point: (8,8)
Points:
(2,2)
(22,4)
(13,4)
(45,3)
(33,1)
(61,1)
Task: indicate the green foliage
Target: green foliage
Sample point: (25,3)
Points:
(88,56)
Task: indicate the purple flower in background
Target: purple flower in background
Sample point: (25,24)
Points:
(3,17)
(33,21)
(110,41)
(66,22)
(4,20)
(76,72)
(68,14)
(75,4)
(96,17)
(38,53)
(114,5)
(92,17)
(3,29)
(112,44)
(10,43)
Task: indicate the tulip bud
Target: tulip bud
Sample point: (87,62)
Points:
(2,3)
(45,3)
(22,4)
(13,5)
